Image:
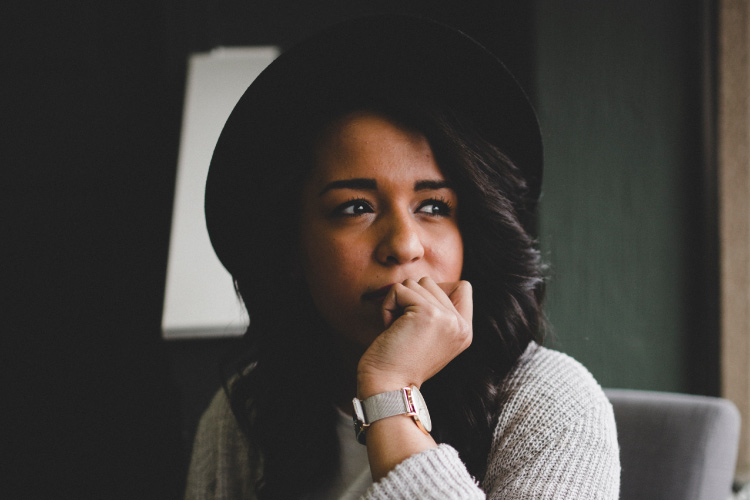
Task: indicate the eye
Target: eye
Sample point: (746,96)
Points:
(436,207)
(354,208)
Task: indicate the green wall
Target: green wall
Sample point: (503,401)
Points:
(618,99)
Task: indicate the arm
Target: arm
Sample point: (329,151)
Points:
(555,439)
(435,474)
(392,440)
(427,325)
(580,460)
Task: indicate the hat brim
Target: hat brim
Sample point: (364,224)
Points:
(382,55)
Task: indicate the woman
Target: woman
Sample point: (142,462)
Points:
(373,195)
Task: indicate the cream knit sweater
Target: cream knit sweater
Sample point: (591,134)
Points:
(555,438)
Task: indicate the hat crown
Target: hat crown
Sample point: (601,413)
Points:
(393,57)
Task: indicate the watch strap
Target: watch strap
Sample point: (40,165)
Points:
(386,404)
(404,401)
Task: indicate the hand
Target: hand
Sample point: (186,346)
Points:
(427,325)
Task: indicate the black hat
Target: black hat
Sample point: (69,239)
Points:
(373,56)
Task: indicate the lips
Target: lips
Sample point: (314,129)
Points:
(377,295)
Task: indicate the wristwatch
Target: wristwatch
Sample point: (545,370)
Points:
(406,401)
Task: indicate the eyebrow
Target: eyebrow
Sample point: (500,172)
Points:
(360,183)
(372,185)
(430,185)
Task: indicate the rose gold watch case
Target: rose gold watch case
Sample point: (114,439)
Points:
(425,425)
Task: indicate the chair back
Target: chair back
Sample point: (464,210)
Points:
(675,446)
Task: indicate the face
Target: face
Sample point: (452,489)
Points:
(376,211)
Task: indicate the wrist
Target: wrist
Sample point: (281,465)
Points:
(406,401)
(371,385)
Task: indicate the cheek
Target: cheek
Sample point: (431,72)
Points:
(448,256)
(331,266)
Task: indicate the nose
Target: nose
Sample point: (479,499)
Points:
(400,241)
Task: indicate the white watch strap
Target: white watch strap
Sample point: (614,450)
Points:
(386,404)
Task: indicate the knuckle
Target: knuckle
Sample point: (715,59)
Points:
(453,325)
(433,314)
(465,333)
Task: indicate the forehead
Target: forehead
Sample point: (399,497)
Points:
(369,145)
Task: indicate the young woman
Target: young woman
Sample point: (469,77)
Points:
(373,195)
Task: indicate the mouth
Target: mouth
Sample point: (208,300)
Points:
(377,295)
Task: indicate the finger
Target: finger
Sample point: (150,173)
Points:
(460,294)
(436,291)
(427,295)
(399,297)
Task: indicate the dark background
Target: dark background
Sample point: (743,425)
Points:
(99,405)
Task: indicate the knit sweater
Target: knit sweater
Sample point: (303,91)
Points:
(555,439)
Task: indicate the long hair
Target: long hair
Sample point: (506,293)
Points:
(282,392)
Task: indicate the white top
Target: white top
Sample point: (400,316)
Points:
(354,476)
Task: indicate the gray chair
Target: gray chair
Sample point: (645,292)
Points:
(675,446)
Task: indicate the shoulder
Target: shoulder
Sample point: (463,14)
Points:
(220,463)
(554,422)
(547,383)
(218,431)
(218,409)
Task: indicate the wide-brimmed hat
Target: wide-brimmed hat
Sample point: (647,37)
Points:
(373,56)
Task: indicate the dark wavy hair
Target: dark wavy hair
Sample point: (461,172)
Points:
(283,390)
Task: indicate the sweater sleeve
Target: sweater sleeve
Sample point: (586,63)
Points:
(435,474)
(555,439)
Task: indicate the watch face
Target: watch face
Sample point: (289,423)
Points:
(359,421)
(359,414)
(421,408)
